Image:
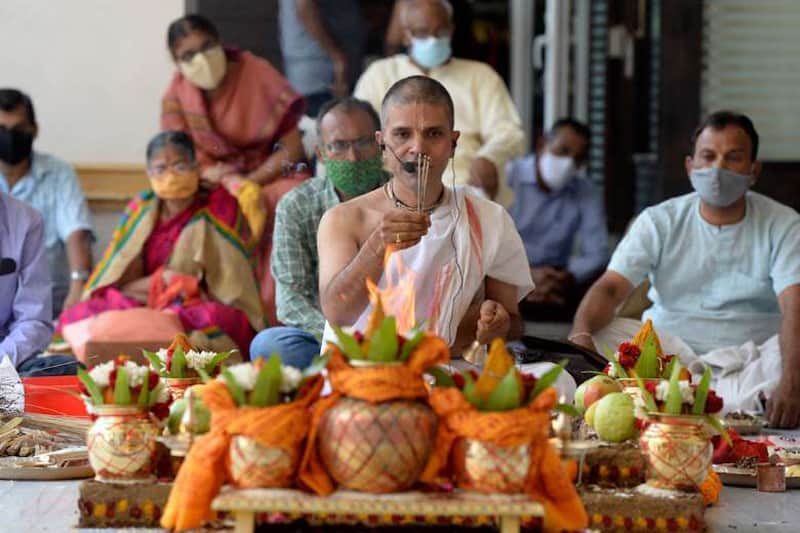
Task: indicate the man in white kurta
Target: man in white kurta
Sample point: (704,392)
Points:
(491,131)
(724,275)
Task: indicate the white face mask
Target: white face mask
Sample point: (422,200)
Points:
(206,69)
(556,171)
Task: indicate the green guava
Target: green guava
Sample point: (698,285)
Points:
(614,419)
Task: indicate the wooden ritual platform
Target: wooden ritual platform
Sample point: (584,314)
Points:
(345,507)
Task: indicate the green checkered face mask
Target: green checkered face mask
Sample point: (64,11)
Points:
(355,178)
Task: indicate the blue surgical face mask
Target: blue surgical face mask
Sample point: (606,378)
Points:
(719,187)
(430,52)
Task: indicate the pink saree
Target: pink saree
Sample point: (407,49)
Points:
(249,112)
(204,300)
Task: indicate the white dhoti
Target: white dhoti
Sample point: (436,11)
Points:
(470,239)
(741,375)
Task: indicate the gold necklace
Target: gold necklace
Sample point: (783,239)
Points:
(388,190)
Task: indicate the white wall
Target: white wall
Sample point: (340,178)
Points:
(95,69)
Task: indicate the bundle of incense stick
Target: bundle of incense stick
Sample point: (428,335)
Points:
(423,167)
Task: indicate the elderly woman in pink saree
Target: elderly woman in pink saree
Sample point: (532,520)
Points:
(242,116)
(182,249)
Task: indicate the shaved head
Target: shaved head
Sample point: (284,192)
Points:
(427,7)
(417,89)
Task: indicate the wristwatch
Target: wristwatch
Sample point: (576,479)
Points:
(79,275)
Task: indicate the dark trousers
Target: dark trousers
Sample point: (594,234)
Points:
(49,365)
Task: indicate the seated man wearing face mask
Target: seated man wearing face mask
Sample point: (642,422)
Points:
(556,208)
(346,128)
(724,272)
(491,131)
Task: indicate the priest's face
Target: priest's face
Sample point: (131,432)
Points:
(415,128)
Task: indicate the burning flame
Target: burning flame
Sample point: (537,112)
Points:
(397,298)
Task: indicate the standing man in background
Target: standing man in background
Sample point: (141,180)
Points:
(49,185)
(323,43)
(491,132)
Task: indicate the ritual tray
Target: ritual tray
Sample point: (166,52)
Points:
(43,473)
(347,507)
(730,474)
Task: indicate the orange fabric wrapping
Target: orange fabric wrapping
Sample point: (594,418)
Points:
(203,472)
(711,487)
(182,286)
(372,384)
(547,482)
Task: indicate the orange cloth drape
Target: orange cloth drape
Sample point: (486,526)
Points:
(372,384)
(711,487)
(203,472)
(547,481)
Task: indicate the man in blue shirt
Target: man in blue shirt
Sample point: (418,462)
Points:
(561,219)
(51,187)
(25,306)
(724,271)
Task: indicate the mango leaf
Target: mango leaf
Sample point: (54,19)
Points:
(441,377)
(507,394)
(701,393)
(618,369)
(236,391)
(122,393)
(152,396)
(647,364)
(567,409)
(178,365)
(715,423)
(155,362)
(144,392)
(470,392)
(216,360)
(547,379)
(317,365)
(203,375)
(674,400)
(268,384)
(411,343)
(91,387)
(383,345)
(649,401)
(348,344)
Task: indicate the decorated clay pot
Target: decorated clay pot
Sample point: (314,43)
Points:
(678,451)
(376,448)
(485,467)
(253,465)
(177,386)
(121,444)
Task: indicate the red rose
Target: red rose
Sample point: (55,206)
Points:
(458,379)
(528,383)
(161,410)
(650,386)
(713,403)
(358,336)
(400,342)
(627,361)
(626,348)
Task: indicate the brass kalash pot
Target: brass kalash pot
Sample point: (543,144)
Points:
(678,451)
(376,447)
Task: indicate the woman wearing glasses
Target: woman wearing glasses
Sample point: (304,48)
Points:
(182,248)
(242,116)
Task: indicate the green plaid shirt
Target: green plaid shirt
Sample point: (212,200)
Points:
(294,254)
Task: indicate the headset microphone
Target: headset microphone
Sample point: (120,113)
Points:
(408,166)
